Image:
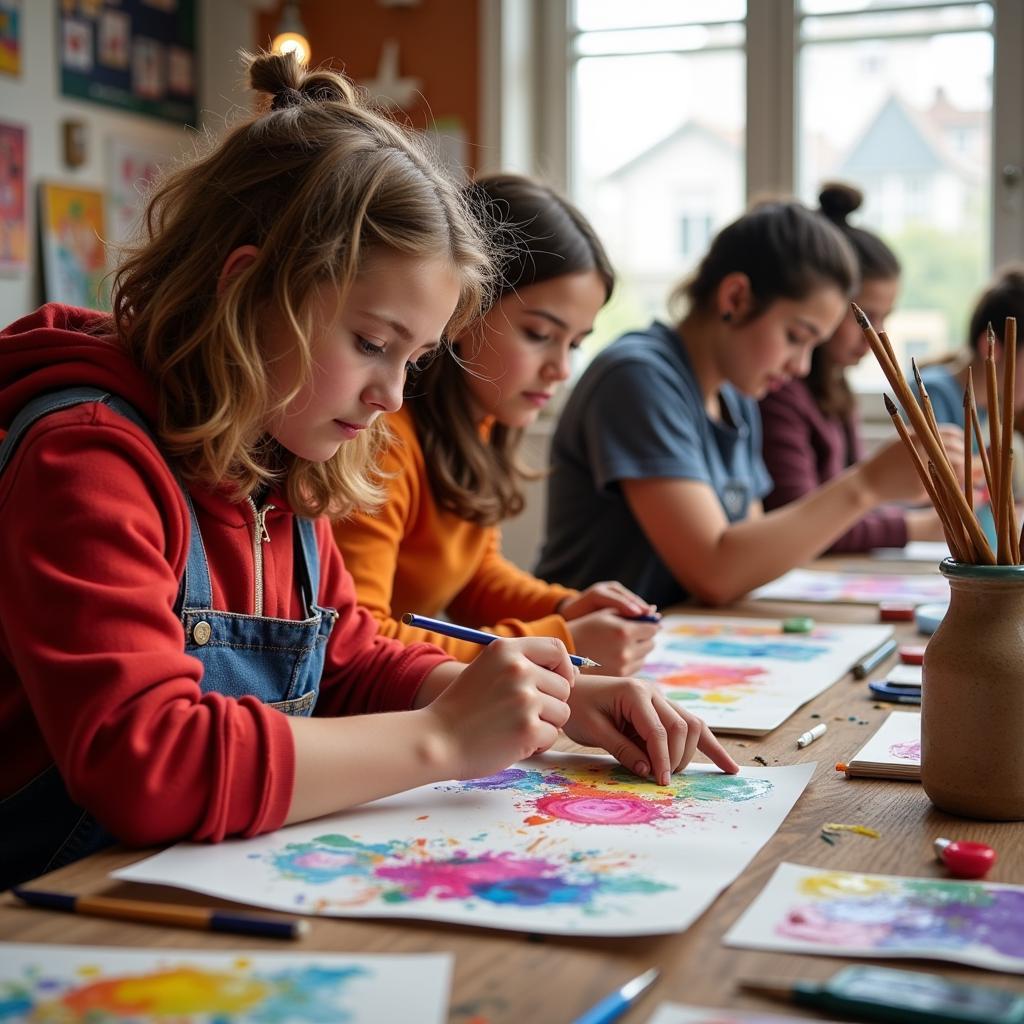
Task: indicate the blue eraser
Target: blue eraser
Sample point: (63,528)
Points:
(928,617)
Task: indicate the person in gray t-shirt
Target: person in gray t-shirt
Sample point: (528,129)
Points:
(657,475)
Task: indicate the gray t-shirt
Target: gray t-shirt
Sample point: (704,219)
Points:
(637,413)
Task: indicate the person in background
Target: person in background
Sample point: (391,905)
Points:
(657,475)
(811,426)
(452,472)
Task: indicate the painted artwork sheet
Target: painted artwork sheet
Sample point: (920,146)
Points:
(562,844)
(840,913)
(74,256)
(855,587)
(677,1013)
(13,199)
(746,675)
(95,985)
(894,751)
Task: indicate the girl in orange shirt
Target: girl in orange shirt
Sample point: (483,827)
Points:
(452,472)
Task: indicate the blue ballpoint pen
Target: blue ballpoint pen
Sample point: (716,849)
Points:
(474,636)
(614,1006)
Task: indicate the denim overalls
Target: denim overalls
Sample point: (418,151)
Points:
(278,661)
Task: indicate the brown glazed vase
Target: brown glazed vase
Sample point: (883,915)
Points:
(972,697)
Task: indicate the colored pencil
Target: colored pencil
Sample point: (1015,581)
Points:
(474,636)
(179,915)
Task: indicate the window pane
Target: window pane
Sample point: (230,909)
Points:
(908,121)
(599,14)
(843,6)
(658,167)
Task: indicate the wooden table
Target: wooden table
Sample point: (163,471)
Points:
(507,977)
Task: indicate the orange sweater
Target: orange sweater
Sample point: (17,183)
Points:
(413,556)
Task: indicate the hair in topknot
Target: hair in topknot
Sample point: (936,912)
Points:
(838,200)
(281,77)
(876,261)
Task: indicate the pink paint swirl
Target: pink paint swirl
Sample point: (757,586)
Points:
(908,751)
(599,809)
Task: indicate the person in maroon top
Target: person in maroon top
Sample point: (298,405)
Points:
(811,430)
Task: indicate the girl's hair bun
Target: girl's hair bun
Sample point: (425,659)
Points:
(282,77)
(838,200)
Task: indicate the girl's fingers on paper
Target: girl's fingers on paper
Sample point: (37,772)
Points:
(648,726)
(621,747)
(683,730)
(709,745)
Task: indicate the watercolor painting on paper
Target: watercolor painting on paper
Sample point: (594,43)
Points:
(839,913)
(97,985)
(855,588)
(747,676)
(677,1013)
(563,844)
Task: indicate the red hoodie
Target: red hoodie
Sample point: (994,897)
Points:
(93,671)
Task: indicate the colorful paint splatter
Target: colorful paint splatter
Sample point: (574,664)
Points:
(725,640)
(403,872)
(871,911)
(180,994)
(597,795)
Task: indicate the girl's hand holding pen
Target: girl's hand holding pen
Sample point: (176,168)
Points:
(506,705)
(648,734)
(618,645)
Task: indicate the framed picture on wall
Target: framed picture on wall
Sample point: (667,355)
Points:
(71,231)
(13,199)
(137,55)
(10,37)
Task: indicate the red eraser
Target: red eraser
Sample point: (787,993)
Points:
(912,654)
(890,611)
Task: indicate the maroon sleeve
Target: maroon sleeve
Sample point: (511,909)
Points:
(788,452)
(792,462)
(364,671)
(93,535)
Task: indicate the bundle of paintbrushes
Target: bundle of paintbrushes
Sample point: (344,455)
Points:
(954,499)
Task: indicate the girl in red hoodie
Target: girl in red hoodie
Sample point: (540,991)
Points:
(181,653)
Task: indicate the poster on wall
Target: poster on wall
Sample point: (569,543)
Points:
(13,199)
(71,232)
(138,55)
(10,37)
(131,171)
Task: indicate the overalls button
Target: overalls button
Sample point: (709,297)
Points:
(201,633)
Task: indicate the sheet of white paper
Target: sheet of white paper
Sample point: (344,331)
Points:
(897,741)
(840,913)
(915,551)
(678,1013)
(42,982)
(854,587)
(747,675)
(564,844)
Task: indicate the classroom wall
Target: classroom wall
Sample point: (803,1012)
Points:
(33,100)
(438,43)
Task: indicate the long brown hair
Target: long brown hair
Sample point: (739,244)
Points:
(316,182)
(877,262)
(542,236)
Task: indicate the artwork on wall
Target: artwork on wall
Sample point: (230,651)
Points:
(71,231)
(563,844)
(10,37)
(840,913)
(131,171)
(138,55)
(13,199)
(93,983)
(748,676)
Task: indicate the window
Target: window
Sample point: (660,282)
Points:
(898,101)
(654,111)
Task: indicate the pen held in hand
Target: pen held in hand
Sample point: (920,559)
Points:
(474,636)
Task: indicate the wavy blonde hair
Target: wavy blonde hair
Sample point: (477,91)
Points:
(316,182)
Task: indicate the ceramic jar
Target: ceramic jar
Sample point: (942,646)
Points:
(972,700)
